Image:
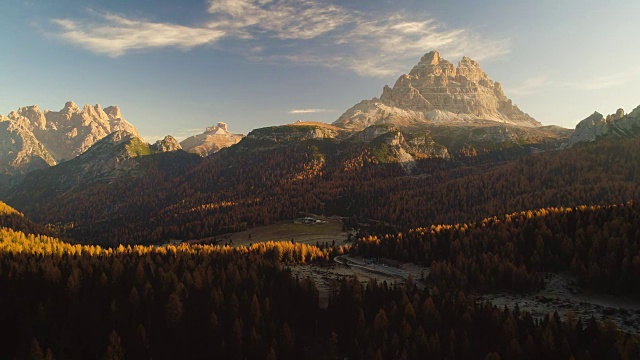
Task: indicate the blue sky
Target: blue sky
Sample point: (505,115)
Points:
(176,67)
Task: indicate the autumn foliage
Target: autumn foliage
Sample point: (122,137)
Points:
(77,301)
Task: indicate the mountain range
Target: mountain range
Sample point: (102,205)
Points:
(31,138)
(439,123)
(456,108)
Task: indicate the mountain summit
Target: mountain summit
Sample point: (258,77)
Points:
(33,138)
(597,126)
(437,92)
(212,140)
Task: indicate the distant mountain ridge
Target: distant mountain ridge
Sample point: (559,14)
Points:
(31,138)
(598,126)
(119,154)
(212,140)
(437,92)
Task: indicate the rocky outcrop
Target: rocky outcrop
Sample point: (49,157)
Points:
(20,151)
(51,137)
(425,146)
(387,143)
(615,125)
(169,143)
(212,140)
(437,92)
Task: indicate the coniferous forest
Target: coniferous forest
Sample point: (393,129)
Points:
(97,277)
(72,301)
(67,301)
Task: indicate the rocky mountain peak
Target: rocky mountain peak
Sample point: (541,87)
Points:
(433,89)
(430,58)
(113,112)
(169,143)
(62,134)
(70,105)
(470,70)
(598,126)
(432,64)
(220,129)
(617,116)
(594,118)
(70,108)
(212,140)
(30,116)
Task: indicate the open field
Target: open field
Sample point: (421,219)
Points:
(562,295)
(325,276)
(329,230)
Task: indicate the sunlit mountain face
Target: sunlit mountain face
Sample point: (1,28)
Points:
(253,206)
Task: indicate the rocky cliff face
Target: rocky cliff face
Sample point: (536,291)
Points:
(437,92)
(388,143)
(212,140)
(614,125)
(169,143)
(20,151)
(48,137)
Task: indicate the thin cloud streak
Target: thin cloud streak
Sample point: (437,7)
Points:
(531,85)
(119,35)
(606,82)
(537,84)
(301,19)
(309,111)
(297,31)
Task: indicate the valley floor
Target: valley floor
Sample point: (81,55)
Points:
(561,294)
(329,229)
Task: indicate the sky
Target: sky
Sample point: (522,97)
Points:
(178,66)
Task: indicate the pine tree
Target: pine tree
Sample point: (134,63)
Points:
(115,351)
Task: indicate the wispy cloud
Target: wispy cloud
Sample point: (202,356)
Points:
(384,46)
(297,31)
(531,85)
(115,35)
(309,111)
(607,81)
(539,84)
(284,19)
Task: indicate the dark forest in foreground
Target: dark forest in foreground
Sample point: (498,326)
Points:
(77,301)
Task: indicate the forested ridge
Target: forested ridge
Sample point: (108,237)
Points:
(240,188)
(68,301)
(13,219)
(600,245)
